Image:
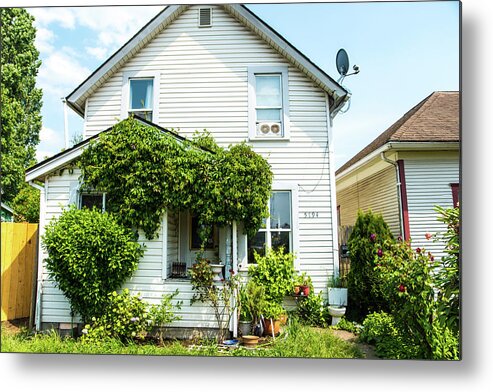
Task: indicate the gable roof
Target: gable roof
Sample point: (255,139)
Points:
(434,119)
(337,93)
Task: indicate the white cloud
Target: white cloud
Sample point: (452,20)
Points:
(50,143)
(99,53)
(61,73)
(44,40)
(44,16)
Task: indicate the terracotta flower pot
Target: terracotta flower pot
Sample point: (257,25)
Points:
(283,319)
(250,340)
(297,290)
(305,290)
(271,325)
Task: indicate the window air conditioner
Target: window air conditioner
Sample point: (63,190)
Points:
(266,128)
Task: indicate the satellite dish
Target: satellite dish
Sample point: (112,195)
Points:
(342,62)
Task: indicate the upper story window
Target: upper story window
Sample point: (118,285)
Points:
(268,103)
(141,97)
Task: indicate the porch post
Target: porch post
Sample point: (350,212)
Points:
(234,319)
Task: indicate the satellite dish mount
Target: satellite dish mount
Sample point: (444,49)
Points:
(342,64)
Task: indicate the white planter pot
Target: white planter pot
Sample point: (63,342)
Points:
(337,296)
(217,269)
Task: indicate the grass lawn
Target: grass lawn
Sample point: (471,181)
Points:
(299,342)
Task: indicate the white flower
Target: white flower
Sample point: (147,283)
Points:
(84,331)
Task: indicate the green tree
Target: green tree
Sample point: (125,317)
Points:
(364,286)
(26,204)
(20,99)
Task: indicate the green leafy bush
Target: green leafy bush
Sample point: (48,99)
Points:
(311,310)
(252,301)
(414,282)
(364,285)
(380,330)
(128,317)
(145,171)
(448,275)
(89,255)
(275,272)
(346,325)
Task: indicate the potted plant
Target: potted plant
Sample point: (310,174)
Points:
(337,291)
(272,311)
(251,303)
(305,285)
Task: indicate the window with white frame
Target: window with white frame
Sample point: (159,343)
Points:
(268,103)
(140,94)
(90,200)
(277,229)
(141,97)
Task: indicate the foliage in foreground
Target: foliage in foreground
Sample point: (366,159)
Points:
(145,172)
(128,317)
(89,256)
(423,295)
(299,342)
(364,285)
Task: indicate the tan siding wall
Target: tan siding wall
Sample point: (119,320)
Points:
(203,84)
(378,193)
(428,184)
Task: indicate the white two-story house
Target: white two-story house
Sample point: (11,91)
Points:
(223,69)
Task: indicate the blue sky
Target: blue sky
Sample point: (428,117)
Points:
(405,50)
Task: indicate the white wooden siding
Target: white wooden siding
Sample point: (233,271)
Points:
(378,193)
(204,85)
(428,184)
(147,280)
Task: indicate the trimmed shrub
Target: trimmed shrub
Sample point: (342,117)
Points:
(89,256)
(364,286)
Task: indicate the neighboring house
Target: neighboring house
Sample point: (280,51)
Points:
(223,69)
(406,171)
(6,213)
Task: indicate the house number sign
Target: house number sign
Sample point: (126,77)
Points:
(311,214)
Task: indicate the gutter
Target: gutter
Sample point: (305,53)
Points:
(333,195)
(399,191)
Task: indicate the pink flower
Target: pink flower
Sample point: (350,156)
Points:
(380,253)
(418,250)
(428,236)
(399,238)
(373,237)
(402,288)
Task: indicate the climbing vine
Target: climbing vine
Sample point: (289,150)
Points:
(145,171)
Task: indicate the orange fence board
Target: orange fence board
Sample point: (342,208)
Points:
(18,259)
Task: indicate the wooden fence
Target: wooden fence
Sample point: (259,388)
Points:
(344,262)
(19,265)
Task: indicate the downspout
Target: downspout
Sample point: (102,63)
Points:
(333,198)
(42,201)
(399,191)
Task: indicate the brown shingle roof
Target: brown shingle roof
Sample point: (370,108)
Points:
(434,119)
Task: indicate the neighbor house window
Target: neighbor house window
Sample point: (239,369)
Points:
(268,103)
(140,95)
(92,200)
(455,193)
(277,229)
(141,98)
